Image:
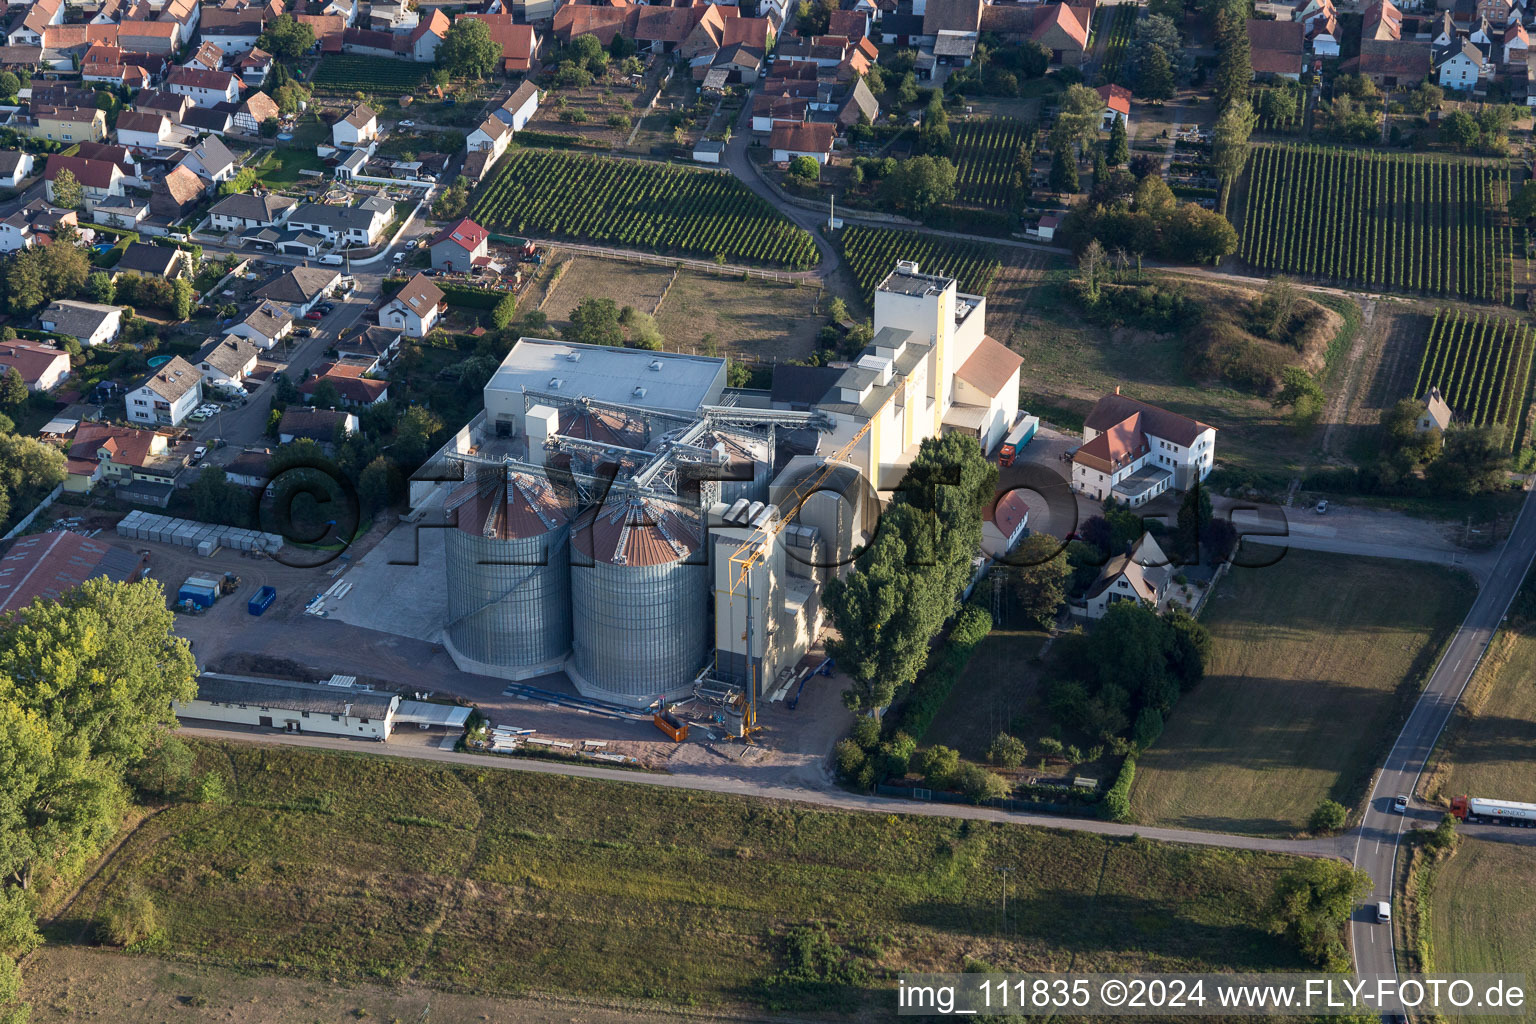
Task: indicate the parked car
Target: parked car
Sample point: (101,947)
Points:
(1322,508)
(314,314)
(198,453)
(304,332)
(326,307)
(407,124)
(398,257)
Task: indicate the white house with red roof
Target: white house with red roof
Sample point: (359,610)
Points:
(203,87)
(1117,103)
(415,309)
(461,247)
(42,367)
(99,179)
(1005,524)
(1133,451)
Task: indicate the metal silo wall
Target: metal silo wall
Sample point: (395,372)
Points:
(640,630)
(518,614)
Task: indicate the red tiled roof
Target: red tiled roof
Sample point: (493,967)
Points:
(201,78)
(90,173)
(809,137)
(991,367)
(1116,98)
(29,358)
(466,233)
(574,20)
(45,565)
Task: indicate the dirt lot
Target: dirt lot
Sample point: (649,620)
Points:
(597,102)
(628,284)
(755,320)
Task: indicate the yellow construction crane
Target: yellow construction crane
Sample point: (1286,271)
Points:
(750,553)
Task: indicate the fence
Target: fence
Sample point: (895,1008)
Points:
(682,263)
(27,520)
(1001,803)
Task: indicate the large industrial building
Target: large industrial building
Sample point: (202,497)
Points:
(622,516)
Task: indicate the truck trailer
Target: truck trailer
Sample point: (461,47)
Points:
(1017,438)
(1494,812)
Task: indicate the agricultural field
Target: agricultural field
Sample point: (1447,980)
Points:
(1122,24)
(754,321)
(1314,663)
(360,868)
(871,254)
(1471,933)
(986,154)
(657,207)
(1390,222)
(1487,747)
(1482,366)
(587,277)
(1272,122)
(344,72)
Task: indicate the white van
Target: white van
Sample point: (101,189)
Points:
(331,259)
(1384,912)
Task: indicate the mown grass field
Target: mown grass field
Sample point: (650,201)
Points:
(1487,748)
(1315,663)
(365,868)
(1000,685)
(1468,932)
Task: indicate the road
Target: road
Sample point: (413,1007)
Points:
(1380,831)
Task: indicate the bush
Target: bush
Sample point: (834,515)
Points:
(979,784)
(1007,751)
(1117,802)
(1149,726)
(1330,816)
(896,755)
(938,766)
(865,732)
(971,626)
(1049,746)
(129,918)
(848,759)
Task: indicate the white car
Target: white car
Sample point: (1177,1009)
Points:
(1384,912)
(406,124)
(398,257)
(198,453)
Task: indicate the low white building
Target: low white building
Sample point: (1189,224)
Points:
(416,309)
(362,224)
(89,323)
(1133,451)
(227,360)
(359,127)
(264,326)
(1141,574)
(15,167)
(243,212)
(520,107)
(1005,524)
(292,706)
(204,88)
(167,396)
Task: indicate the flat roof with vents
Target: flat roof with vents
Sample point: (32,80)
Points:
(664,381)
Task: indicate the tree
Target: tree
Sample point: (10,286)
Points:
(1194,517)
(13,390)
(1119,144)
(452,201)
(1328,816)
(9,85)
(1229,145)
(937,765)
(644,333)
(1459,130)
(1472,461)
(66,190)
(587,51)
(1007,751)
(505,310)
(1197,235)
(1311,905)
(1522,205)
(1428,96)
(325,395)
(415,437)
(1155,81)
(216,499)
(377,486)
(1301,392)
(934,136)
(919,183)
(594,322)
(99,288)
(242,182)
(1190,650)
(468,51)
(979,784)
(1234,70)
(269,128)
(906,90)
(286,38)
(184,298)
(1064,170)
(806,168)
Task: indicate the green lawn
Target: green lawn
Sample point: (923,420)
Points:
(359,867)
(1315,664)
(281,167)
(1487,749)
(997,690)
(1468,932)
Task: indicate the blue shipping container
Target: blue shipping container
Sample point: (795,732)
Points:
(201,596)
(262,601)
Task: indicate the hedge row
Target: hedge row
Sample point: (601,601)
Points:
(1117,802)
(457,294)
(931,689)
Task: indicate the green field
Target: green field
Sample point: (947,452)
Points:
(1468,932)
(359,867)
(1487,748)
(344,72)
(1316,661)
(998,687)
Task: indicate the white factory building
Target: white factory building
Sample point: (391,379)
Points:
(620,515)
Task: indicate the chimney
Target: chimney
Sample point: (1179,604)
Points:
(1117,389)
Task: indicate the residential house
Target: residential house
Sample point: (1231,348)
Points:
(235,29)
(42,367)
(359,127)
(256,108)
(1142,574)
(291,706)
(986,393)
(1060,28)
(98,179)
(808,138)
(1117,104)
(174,196)
(1459,66)
(128,213)
(107,65)
(251,468)
(1005,524)
(208,120)
(520,43)
(1134,451)
(430,32)
(903,30)
(162,38)
(33,224)
(210,159)
(323,426)
(227,360)
(205,88)
(853,24)
(301,288)
(122,156)
(491,136)
(373,347)
(89,323)
(243,211)
(415,309)
(164,261)
(118,455)
(1437,415)
(769,110)
(1323,36)
(144,131)
(43,566)
(362,224)
(1390,63)
(15,167)
(460,245)
(1381,21)
(207,57)
(1276,49)
(264,326)
(518,108)
(1516,45)
(27,28)
(254,67)
(67,124)
(353,388)
(168,395)
(156,101)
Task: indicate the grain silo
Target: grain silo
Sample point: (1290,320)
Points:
(508,564)
(640,593)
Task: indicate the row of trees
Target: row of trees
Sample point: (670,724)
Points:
(1144,218)
(71,745)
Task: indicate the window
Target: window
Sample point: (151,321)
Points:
(335,718)
(363,720)
(303,714)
